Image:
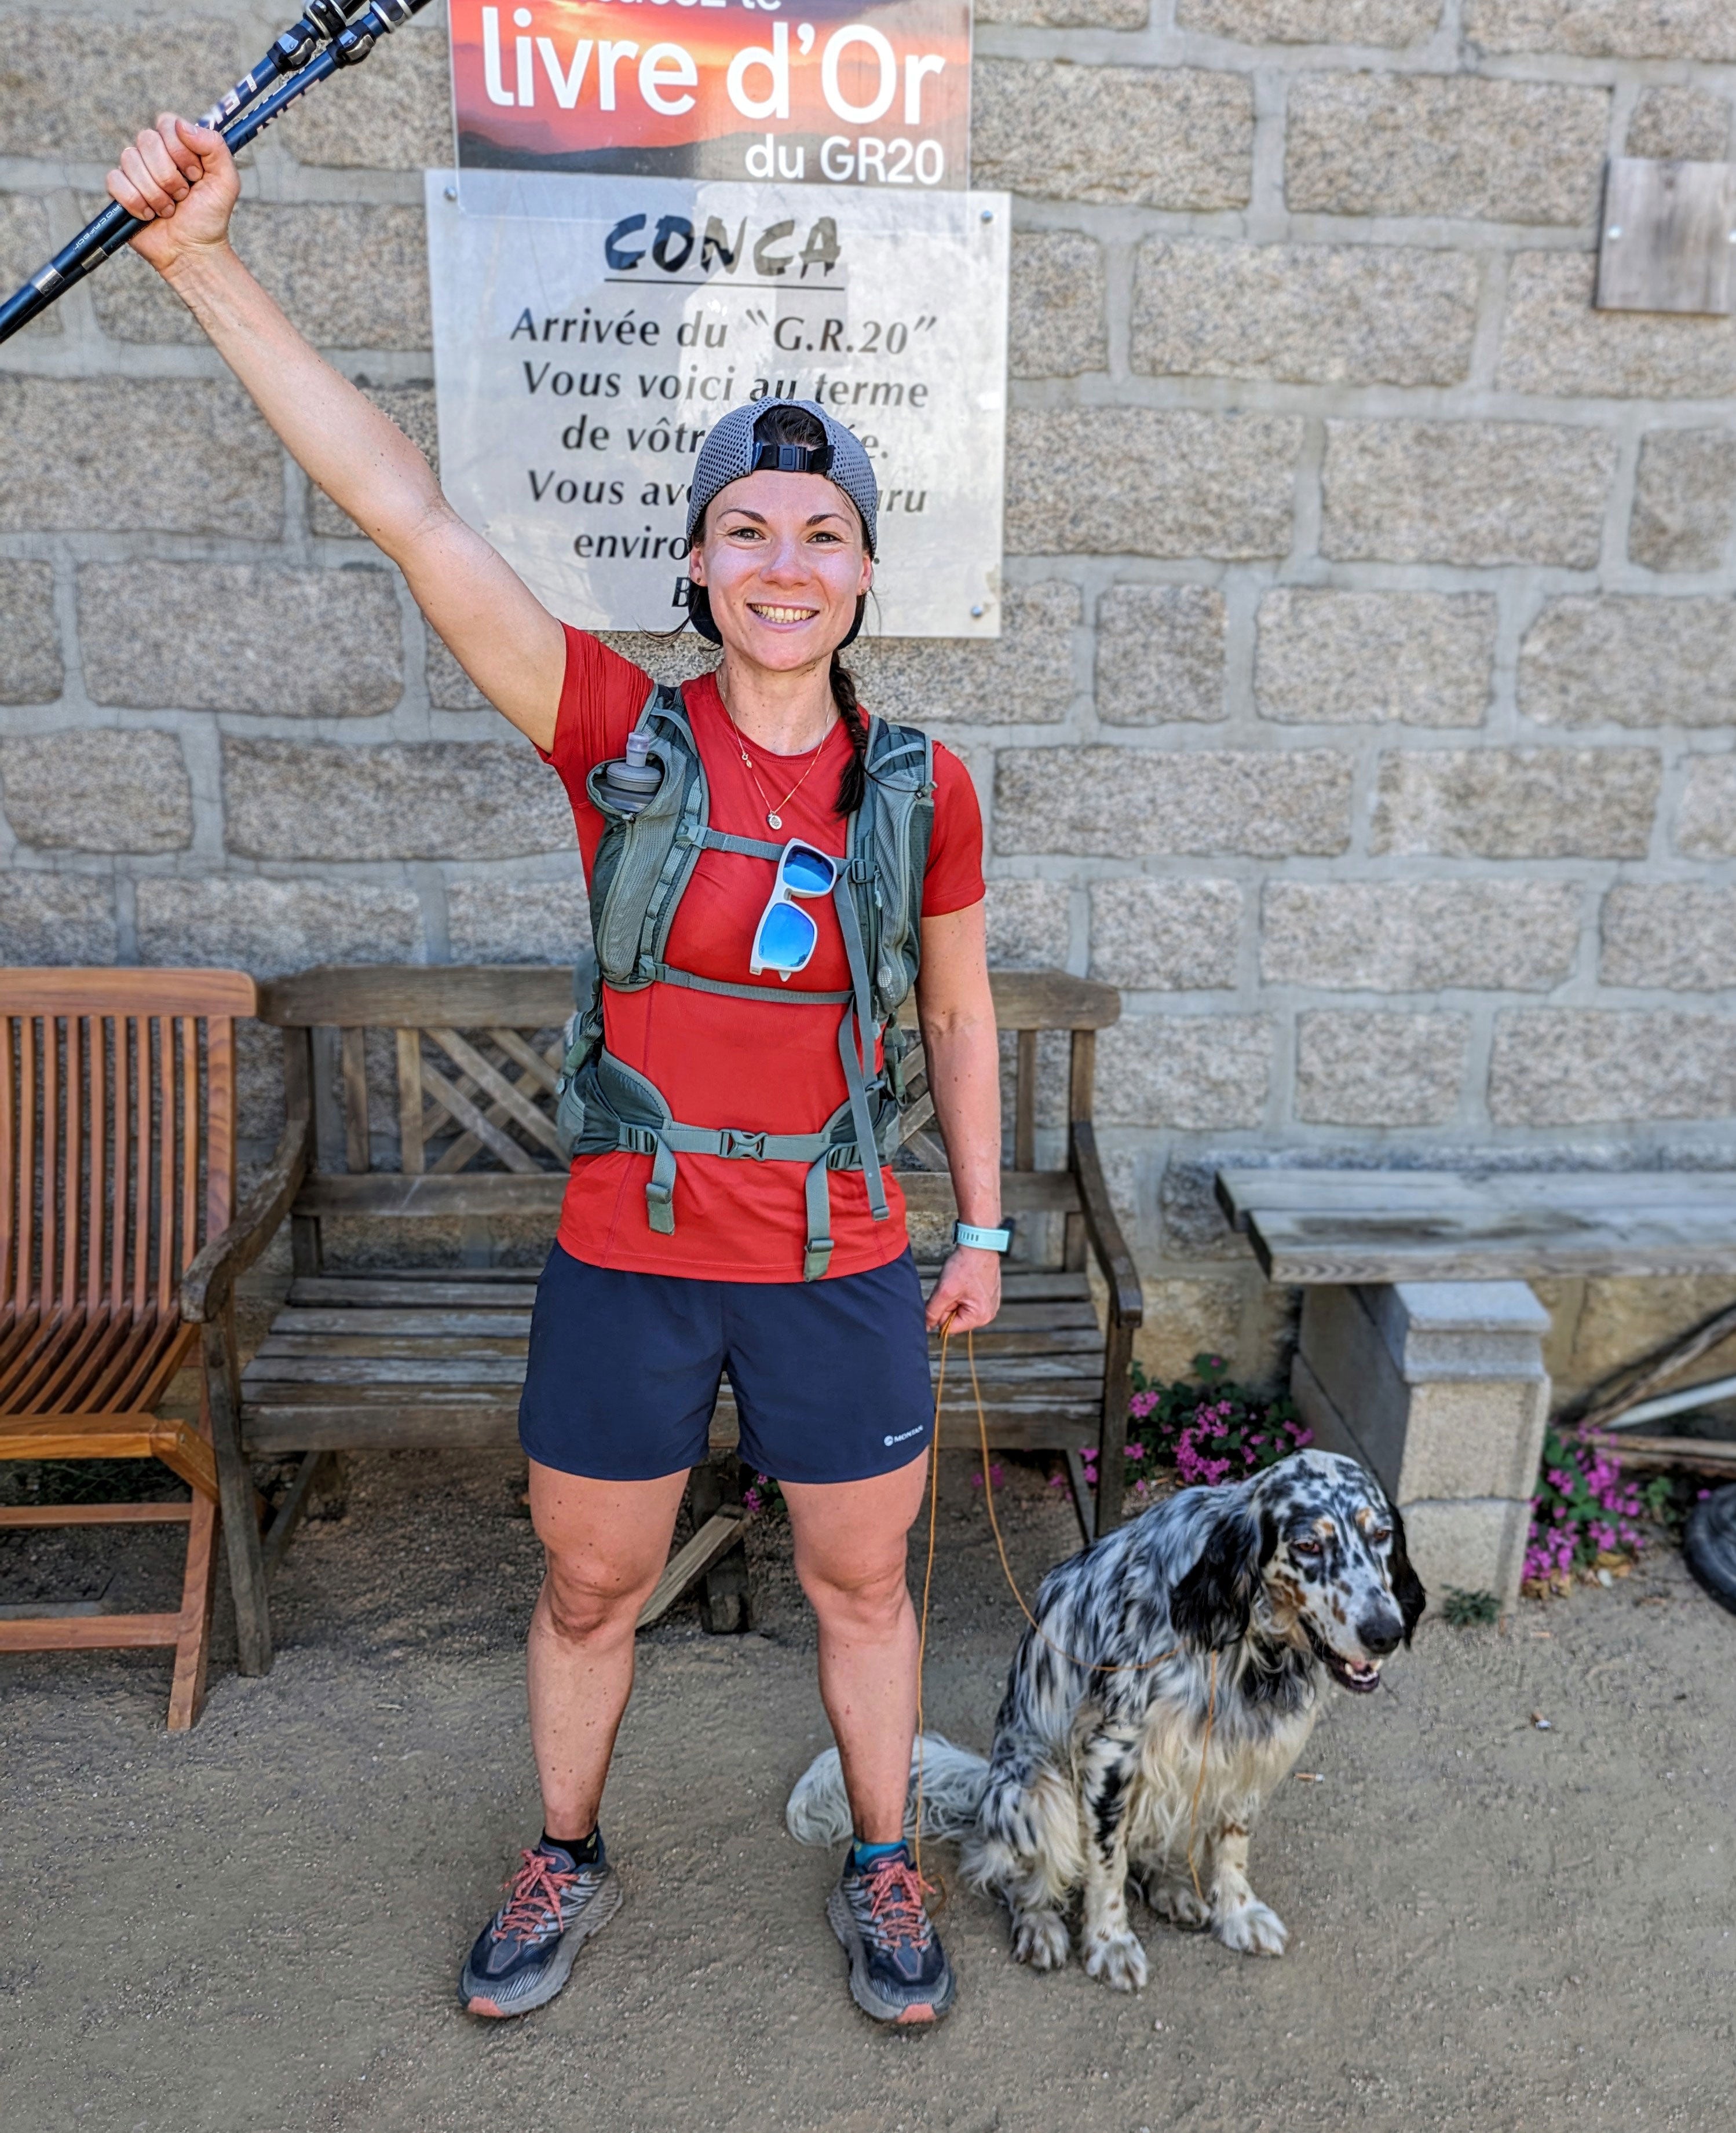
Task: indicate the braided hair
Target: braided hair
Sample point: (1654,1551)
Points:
(785,425)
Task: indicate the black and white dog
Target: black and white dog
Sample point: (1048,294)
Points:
(1268,1582)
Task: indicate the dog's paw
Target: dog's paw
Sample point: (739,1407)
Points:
(1252,1929)
(1040,1939)
(1175,1901)
(1116,1959)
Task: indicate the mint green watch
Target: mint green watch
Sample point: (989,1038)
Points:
(982,1241)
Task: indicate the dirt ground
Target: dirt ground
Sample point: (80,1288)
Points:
(256,1929)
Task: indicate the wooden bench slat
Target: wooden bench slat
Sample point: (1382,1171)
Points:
(278,1347)
(1054,1421)
(539,996)
(1022,1284)
(994,1371)
(285,1392)
(386,1194)
(526,1190)
(359,1372)
(1025,1341)
(390,1325)
(1016,1313)
(408,1427)
(448,1347)
(468,1292)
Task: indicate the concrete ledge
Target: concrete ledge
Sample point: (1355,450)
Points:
(1439,1388)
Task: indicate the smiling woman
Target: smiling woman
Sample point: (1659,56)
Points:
(727,1207)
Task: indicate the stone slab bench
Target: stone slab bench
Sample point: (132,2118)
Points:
(1420,1350)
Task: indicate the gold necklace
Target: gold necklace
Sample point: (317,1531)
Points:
(773,816)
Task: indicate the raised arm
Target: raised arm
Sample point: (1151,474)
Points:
(182,177)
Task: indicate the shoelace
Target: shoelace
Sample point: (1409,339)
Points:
(895,1893)
(535,1894)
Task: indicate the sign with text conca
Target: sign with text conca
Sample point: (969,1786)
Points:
(588,331)
(818,91)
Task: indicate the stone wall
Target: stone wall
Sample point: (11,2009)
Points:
(1364,709)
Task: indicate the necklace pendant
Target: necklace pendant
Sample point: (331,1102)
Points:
(774,821)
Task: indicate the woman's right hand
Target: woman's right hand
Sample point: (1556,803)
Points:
(180,180)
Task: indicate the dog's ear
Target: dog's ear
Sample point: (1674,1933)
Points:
(1407,1588)
(1211,1605)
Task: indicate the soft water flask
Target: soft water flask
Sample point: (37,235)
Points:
(630,784)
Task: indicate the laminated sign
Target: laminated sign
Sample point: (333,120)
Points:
(814,92)
(588,330)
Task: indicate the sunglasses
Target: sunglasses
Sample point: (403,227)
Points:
(786,937)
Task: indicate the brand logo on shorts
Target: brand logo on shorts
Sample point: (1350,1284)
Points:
(904,1436)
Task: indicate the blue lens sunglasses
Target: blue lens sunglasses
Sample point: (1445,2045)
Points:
(786,937)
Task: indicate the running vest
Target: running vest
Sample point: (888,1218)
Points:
(643,865)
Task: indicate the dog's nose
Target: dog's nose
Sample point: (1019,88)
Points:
(1380,1633)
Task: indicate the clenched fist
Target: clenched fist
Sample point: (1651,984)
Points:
(180,180)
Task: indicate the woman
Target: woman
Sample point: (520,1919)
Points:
(645,1299)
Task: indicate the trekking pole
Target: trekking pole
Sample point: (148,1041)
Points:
(327,23)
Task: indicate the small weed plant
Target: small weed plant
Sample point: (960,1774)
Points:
(1202,1429)
(1466,1611)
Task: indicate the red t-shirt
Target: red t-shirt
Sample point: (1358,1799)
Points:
(730,1062)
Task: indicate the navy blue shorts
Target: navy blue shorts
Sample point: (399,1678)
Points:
(831,1378)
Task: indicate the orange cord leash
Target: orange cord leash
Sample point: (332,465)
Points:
(1089,1666)
(922,1640)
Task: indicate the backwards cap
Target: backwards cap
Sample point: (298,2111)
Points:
(731,451)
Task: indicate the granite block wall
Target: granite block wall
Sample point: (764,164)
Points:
(1364,709)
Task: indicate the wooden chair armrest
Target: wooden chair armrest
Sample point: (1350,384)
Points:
(1127,1298)
(208,1280)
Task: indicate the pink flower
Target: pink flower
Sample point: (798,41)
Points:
(1136,1450)
(1058,1480)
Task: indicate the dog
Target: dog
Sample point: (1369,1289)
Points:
(1197,1634)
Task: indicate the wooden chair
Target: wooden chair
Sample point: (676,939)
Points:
(451,1118)
(117,1160)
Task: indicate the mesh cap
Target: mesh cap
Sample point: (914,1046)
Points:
(731,451)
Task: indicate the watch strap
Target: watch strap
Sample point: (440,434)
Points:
(982,1241)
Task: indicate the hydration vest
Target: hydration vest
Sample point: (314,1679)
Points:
(643,865)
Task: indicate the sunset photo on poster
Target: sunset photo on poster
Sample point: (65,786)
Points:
(826,92)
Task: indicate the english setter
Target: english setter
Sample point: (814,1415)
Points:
(1264,1584)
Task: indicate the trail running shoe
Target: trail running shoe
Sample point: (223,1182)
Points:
(899,1971)
(522,1956)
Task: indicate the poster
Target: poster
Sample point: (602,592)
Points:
(588,331)
(868,93)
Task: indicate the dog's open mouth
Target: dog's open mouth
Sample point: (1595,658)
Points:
(1360,1677)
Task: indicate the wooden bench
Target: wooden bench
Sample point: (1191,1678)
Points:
(1421,1348)
(416,1095)
(117,1143)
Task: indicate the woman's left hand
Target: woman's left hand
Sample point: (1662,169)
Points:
(968,1292)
